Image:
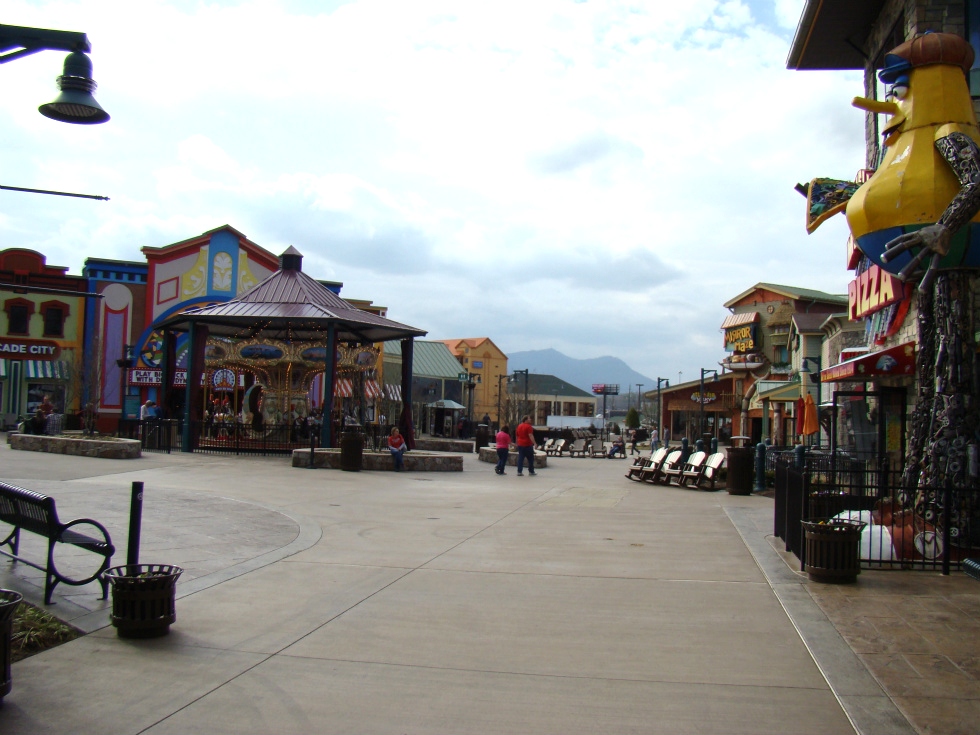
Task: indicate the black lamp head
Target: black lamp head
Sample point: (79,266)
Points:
(76,104)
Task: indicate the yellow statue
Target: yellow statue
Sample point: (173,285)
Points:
(916,205)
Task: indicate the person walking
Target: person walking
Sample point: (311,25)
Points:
(525,447)
(397,447)
(666,437)
(503,449)
(633,442)
(654,440)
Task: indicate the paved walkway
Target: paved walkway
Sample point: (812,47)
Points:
(318,601)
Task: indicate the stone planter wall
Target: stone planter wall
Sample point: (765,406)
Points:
(415,461)
(433,444)
(109,448)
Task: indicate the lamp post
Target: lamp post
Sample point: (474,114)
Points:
(125,363)
(524,406)
(639,400)
(660,408)
(815,380)
(500,390)
(75,104)
(704,371)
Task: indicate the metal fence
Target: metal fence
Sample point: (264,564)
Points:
(165,435)
(933,530)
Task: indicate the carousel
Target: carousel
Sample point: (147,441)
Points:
(277,356)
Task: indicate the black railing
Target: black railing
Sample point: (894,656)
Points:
(155,435)
(934,529)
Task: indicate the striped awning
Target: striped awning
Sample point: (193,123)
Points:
(343,388)
(52,369)
(393,392)
(372,389)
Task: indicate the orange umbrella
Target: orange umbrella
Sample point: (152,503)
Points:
(810,425)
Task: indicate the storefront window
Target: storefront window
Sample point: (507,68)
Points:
(37,391)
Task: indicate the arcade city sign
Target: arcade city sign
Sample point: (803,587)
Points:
(28,349)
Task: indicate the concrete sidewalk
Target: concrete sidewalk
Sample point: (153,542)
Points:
(318,601)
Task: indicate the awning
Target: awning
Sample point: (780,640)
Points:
(343,388)
(737,320)
(393,392)
(371,388)
(783,391)
(51,369)
(448,405)
(895,361)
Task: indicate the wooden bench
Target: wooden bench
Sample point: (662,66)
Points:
(30,511)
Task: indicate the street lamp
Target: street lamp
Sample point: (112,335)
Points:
(639,400)
(524,407)
(127,361)
(500,390)
(814,374)
(75,104)
(660,409)
(704,371)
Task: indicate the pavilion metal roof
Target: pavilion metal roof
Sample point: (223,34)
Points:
(289,305)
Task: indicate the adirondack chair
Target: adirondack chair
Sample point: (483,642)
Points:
(677,471)
(655,473)
(596,449)
(560,446)
(708,472)
(643,464)
(549,445)
(578,447)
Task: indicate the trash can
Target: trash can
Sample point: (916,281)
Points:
(482,436)
(143,599)
(741,470)
(351,449)
(831,549)
(9,601)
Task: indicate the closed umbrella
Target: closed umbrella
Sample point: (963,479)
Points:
(810,423)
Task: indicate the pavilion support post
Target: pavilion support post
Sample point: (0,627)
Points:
(406,424)
(168,366)
(329,370)
(193,413)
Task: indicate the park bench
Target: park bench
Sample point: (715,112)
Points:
(31,511)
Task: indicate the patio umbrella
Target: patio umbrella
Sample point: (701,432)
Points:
(810,425)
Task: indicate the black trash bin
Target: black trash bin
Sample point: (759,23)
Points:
(351,449)
(741,470)
(9,600)
(143,599)
(482,436)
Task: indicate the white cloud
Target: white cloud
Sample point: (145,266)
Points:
(604,166)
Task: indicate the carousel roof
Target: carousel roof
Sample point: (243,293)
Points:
(289,305)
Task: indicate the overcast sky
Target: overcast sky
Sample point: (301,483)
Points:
(596,176)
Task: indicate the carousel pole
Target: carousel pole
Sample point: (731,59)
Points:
(329,370)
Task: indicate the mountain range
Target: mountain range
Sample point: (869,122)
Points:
(580,373)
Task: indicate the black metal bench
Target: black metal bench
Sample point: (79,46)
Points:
(30,511)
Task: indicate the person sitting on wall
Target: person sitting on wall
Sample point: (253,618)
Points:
(618,445)
(397,447)
(37,423)
(46,407)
